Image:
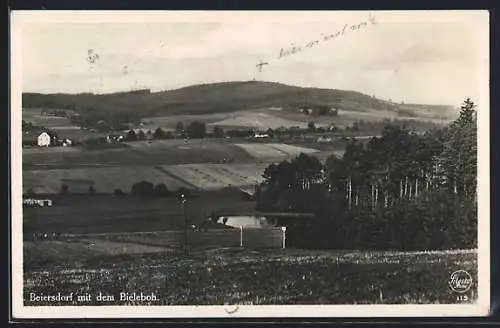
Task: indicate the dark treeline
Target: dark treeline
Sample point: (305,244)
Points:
(400,191)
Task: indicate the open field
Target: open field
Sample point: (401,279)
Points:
(377,115)
(104,180)
(108,179)
(108,213)
(62,126)
(121,168)
(274,117)
(432,111)
(170,122)
(168,152)
(349,117)
(164,152)
(259,120)
(45,252)
(78,134)
(270,150)
(34,116)
(215,176)
(48,151)
(249,276)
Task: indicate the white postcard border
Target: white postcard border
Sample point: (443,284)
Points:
(20,311)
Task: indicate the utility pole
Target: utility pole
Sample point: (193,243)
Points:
(184,215)
(283,229)
(241,236)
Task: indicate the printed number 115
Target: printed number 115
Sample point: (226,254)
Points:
(462,298)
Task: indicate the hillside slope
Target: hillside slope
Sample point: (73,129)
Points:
(209,98)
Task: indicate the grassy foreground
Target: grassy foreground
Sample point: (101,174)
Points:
(258,277)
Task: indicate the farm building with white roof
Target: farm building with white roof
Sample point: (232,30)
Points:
(43,139)
(37,137)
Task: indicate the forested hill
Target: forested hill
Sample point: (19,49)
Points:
(212,98)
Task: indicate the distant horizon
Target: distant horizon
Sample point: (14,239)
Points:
(235,81)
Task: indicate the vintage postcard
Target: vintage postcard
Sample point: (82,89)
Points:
(250,164)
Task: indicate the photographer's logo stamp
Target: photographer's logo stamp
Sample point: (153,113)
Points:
(460,281)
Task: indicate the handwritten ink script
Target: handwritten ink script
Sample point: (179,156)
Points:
(327,37)
(295,49)
(260,65)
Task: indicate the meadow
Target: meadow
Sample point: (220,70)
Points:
(272,150)
(79,214)
(198,164)
(159,152)
(276,117)
(253,276)
(216,176)
(41,253)
(34,115)
(105,180)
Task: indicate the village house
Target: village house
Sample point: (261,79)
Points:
(67,142)
(30,202)
(111,138)
(324,139)
(43,140)
(37,137)
(259,135)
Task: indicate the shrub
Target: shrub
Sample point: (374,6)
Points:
(218,132)
(161,190)
(143,188)
(118,192)
(64,189)
(196,130)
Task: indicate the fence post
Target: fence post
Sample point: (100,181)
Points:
(241,236)
(284,236)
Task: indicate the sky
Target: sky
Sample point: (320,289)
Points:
(406,57)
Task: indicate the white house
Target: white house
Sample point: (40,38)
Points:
(114,138)
(37,202)
(324,139)
(43,139)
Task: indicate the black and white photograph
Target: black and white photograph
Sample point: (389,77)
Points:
(250,164)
